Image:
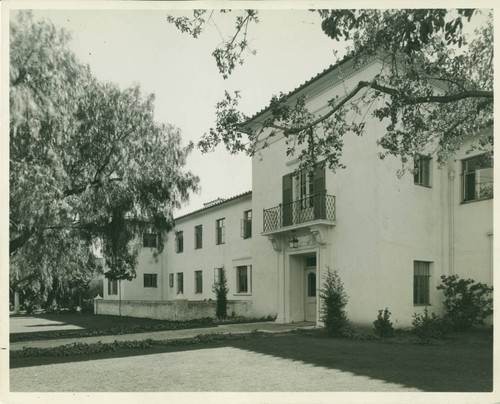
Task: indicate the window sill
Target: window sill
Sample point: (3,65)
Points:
(220,243)
(475,200)
(242,294)
(422,305)
(424,186)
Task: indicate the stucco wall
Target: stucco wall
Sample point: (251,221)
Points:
(383,224)
(236,251)
(147,263)
(175,310)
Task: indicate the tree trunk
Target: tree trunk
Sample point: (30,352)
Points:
(17,306)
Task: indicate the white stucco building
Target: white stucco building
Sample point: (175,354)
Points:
(389,238)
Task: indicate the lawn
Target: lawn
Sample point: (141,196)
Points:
(298,362)
(67,325)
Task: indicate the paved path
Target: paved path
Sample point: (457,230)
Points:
(195,370)
(267,326)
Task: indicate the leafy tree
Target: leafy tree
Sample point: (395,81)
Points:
(89,165)
(434,87)
(220,289)
(333,302)
(466,302)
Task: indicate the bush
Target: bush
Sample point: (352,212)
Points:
(220,289)
(383,325)
(466,303)
(429,326)
(334,300)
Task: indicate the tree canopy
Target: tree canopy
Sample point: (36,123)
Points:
(435,86)
(90,168)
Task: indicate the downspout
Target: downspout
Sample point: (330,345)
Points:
(451,212)
(161,280)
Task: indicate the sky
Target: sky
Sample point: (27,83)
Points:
(139,46)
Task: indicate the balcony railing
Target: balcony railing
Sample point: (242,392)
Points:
(315,207)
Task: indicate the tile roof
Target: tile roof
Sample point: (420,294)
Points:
(215,205)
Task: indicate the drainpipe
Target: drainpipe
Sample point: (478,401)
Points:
(451,213)
(161,276)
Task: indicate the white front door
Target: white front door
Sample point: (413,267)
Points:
(310,294)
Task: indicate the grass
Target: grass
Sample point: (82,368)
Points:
(463,363)
(95,325)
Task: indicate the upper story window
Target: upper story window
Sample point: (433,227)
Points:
(179,241)
(198,237)
(477,175)
(305,189)
(220,233)
(422,171)
(149,240)
(246,224)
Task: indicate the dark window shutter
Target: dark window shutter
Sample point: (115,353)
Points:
(319,193)
(287,200)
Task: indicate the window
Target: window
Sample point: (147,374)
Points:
(422,169)
(149,240)
(171,280)
(310,261)
(246,224)
(179,242)
(421,280)
(220,233)
(180,283)
(311,284)
(198,237)
(150,280)
(112,287)
(198,282)
(305,183)
(477,173)
(218,274)
(243,280)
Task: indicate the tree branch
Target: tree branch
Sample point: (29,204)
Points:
(442,99)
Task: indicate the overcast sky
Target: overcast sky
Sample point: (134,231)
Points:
(139,46)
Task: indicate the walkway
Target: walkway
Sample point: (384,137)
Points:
(245,328)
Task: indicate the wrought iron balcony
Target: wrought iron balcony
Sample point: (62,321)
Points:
(305,210)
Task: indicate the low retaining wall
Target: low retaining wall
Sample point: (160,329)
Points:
(176,310)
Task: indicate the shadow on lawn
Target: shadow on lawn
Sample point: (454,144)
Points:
(90,321)
(458,367)
(455,367)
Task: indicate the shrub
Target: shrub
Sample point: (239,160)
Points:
(220,289)
(334,300)
(429,326)
(383,325)
(466,302)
